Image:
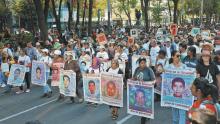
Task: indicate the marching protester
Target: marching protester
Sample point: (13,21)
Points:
(48,61)
(143,73)
(178,115)
(25,60)
(114,69)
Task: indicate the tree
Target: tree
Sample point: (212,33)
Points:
(175,16)
(84,12)
(57,16)
(145,6)
(78,13)
(41,19)
(90,18)
(70,10)
(156,12)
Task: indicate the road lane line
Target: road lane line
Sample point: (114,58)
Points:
(30,109)
(124,119)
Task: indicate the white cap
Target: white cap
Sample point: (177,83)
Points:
(101,47)
(57,52)
(45,50)
(37,44)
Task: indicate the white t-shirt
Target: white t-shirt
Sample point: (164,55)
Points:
(8,51)
(46,59)
(153,54)
(103,55)
(24,60)
(113,71)
(122,56)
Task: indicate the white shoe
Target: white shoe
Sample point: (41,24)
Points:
(19,92)
(3,85)
(27,90)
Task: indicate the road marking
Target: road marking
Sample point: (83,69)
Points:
(124,119)
(30,109)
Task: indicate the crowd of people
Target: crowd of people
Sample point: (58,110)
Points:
(175,52)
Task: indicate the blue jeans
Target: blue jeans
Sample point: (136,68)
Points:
(47,88)
(4,80)
(179,116)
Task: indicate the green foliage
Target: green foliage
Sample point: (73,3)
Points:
(156,12)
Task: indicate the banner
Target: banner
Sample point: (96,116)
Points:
(38,73)
(17,74)
(112,89)
(173,29)
(69,52)
(135,62)
(140,100)
(56,73)
(67,84)
(176,88)
(101,38)
(195,31)
(91,87)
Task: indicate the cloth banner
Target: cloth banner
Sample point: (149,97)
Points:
(176,88)
(112,89)
(140,98)
(17,74)
(67,84)
(92,88)
(56,73)
(38,73)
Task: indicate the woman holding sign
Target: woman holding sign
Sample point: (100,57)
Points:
(114,69)
(143,73)
(179,116)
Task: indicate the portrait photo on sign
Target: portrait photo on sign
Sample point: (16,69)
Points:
(56,73)
(140,99)
(91,87)
(68,83)
(38,73)
(17,73)
(176,90)
(112,89)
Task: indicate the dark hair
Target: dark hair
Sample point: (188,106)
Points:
(206,88)
(173,53)
(205,116)
(66,77)
(33,122)
(178,79)
(38,68)
(142,59)
(163,52)
(183,45)
(83,62)
(192,50)
(139,90)
(91,82)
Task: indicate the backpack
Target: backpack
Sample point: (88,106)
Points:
(217,108)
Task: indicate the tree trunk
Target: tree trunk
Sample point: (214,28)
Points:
(78,13)
(46,8)
(70,10)
(168,2)
(84,13)
(57,17)
(175,17)
(41,18)
(90,18)
(146,3)
(31,17)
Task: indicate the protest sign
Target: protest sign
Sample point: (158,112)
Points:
(38,73)
(92,87)
(140,98)
(206,34)
(69,53)
(67,84)
(56,73)
(130,41)
(176,88)
(173,29)
(134,33)
(101,38)
(135,62)
(112,89)
(195,31)
(17,74)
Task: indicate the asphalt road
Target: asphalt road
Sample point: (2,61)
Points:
(18,109)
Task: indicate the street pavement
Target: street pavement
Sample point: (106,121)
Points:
(20,108)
